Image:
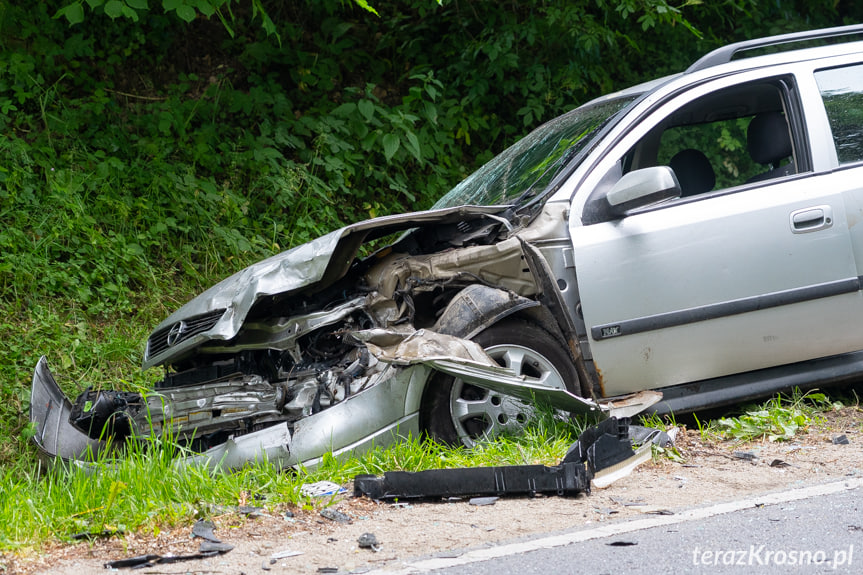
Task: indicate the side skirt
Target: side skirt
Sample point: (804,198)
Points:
(818,373)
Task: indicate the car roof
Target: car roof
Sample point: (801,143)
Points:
(727,54)
(726,60)
(733,58)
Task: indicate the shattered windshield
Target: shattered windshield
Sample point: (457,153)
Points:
(527,167)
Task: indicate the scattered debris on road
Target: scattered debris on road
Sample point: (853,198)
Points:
(369,541)
(335,515)
(284,554)
(208,549)
(205,530)
(321,489)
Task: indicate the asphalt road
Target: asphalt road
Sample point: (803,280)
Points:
(811,530)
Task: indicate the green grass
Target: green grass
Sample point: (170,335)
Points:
(82,349)
(778,419)
(122,494)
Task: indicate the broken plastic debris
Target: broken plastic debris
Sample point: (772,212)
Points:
(249,510)
(91,535)
(284,554)
(565,479)
(321,489)
(639,435)
(603,447)
(625,503)
(368,541)
(479,501)
(204,529)
(335,515)
(134,562)
(607,476)
(744,455)
(841,440)
(208,549)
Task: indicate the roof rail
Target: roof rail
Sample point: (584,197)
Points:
(727,53)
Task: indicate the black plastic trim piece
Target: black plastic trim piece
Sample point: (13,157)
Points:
(598,447)
(727,308)
(565,479)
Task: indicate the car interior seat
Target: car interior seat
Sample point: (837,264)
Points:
(693,171)
(768,143)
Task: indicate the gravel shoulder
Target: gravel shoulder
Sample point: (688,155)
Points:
(711,473)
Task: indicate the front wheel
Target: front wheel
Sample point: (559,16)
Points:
(457,412)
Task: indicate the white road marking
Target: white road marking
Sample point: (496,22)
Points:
(476,555)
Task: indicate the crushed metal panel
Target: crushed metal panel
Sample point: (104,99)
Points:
(467,361)
(632,404)
(272,444)
(318,262)
(498,264)
(406,346)
(505,381)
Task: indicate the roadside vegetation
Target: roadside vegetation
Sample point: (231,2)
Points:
(778,419)
(111,497)
(120,496)
(147,157)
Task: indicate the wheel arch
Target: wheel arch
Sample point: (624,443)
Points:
(477,307)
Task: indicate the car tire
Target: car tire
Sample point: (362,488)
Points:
(454,412)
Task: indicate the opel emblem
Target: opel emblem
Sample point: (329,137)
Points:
(178,330)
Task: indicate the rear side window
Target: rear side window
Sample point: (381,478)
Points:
(842,92)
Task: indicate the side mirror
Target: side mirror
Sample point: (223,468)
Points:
(642,188)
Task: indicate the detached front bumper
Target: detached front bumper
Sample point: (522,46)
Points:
(55,437)
(374,417)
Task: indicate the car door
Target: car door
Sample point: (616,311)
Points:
(738,279)
(840,136)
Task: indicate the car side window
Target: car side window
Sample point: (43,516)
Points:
(708,156)
(842,93)
(731,137)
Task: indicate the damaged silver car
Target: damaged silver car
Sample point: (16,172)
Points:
(621,257)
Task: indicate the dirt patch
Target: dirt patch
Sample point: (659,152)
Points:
(712,472)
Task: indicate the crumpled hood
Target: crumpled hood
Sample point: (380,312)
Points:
(219,312)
